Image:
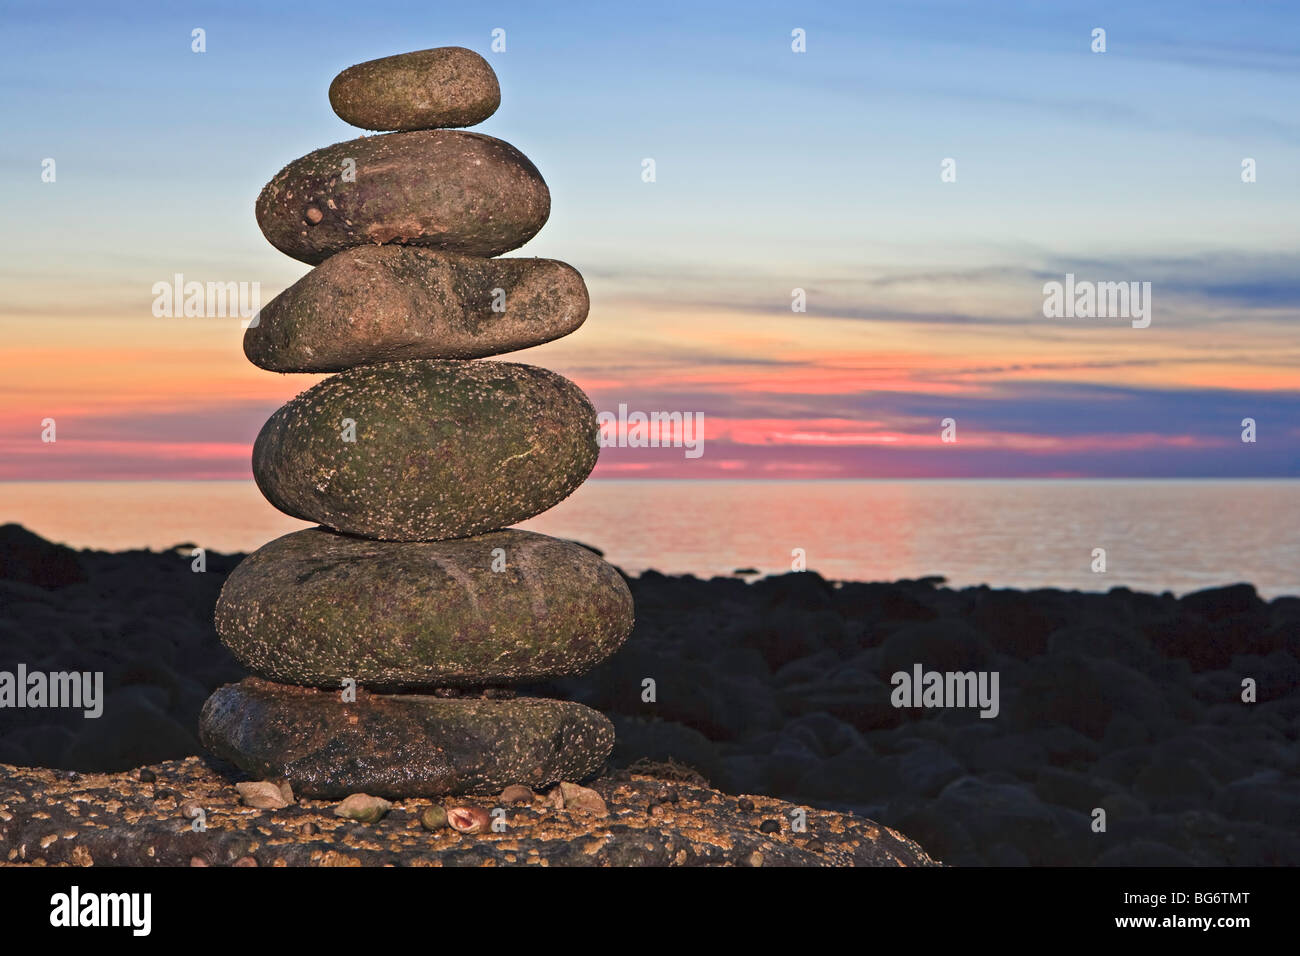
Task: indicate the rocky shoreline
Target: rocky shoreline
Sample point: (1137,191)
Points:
(1124,701)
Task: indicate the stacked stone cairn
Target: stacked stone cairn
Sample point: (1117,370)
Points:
(387,643)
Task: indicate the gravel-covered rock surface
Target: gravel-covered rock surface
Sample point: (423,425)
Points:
(50,817)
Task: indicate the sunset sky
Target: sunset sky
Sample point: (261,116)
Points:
(775,170)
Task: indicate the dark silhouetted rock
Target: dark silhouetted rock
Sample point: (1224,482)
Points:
(1214,604)
(939,645)
(29,559)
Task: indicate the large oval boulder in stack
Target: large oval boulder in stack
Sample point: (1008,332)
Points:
(429,449)
(388,641)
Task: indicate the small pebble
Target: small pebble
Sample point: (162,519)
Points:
(434,818)
(517,794)
(310,829)
(245,861)
(770,826)
(261,795)
(745,805)
(363,808)
(755,859)
(147,776)
(314,215)
(815,846)
(575,797)
(164,794)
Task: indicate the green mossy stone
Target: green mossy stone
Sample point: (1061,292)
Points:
(387,303)
(443,448)
(428,89)
(443,189)
(319,608)
(403,745)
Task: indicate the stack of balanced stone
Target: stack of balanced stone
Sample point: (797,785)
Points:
(387,642)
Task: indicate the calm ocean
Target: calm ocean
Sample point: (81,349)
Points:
(1157,535)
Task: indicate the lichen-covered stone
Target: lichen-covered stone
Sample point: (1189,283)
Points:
(318,608)
(427,89)
(401,745)
(387,303)
(442,449)
(444,189)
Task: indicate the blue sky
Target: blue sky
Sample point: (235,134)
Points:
(774,170)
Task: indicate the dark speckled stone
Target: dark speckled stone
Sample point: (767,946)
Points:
(444,448)
(401,745)
(444,189)
(315,607)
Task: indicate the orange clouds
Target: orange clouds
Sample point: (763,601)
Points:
(781,395)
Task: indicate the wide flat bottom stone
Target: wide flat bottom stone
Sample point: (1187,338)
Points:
(54,817)
(401,745)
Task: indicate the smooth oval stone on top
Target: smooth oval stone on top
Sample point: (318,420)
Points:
(439,448)
(385,303)
(445,189)
(428,89)
(403,745)
(315,607)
